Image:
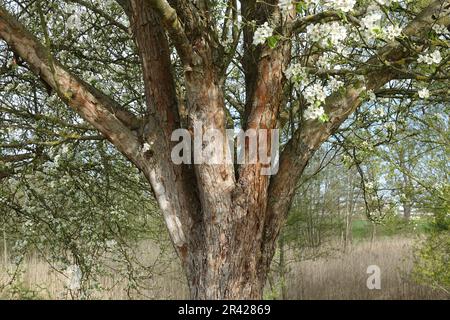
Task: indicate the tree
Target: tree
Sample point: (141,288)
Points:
(257,63)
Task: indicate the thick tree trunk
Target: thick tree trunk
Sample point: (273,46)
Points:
(225,250)
(226,271)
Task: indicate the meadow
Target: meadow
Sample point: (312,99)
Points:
(338,275)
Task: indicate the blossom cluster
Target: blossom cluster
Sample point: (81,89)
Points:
(315,92)
(373,26)
(327,34)
(296,73)
(424,93)
(391,32)
(430,58)
(262,33)
(440,29)
(343,5)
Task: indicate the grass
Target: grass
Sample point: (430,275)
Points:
(340,276)
(37,280)
(344,276)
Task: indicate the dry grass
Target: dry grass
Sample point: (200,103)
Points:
(37,280)
(345,277)
(339,277)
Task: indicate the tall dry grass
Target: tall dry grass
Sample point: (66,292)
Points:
(341,276)
(344,276)
(36,279)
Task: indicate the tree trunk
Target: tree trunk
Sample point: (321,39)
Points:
(349,212)
(226,272)
(407,210)
(282,271)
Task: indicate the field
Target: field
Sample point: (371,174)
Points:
(338,276)
(345,276)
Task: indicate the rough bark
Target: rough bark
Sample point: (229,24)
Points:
(172,185)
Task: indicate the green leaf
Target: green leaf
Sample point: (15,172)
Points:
(272,41)
(301,7)
(324,118)
(342,15)
(394,6)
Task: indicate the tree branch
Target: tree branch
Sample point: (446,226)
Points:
(299,25)
(101,13)
(173,25)
(95,107)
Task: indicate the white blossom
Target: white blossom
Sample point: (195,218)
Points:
(335,84)
(440,29)
(327,33)
(430,58)
(372,23)
(262,33)
(343,5)
(296,73)
(424,93)
(423,58)
(324,61)
(315,94)
(391,32)
(146,147)
(436,57)
(314,32)
(313,113)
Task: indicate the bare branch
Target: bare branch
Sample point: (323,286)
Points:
(102,14)
(173,25)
